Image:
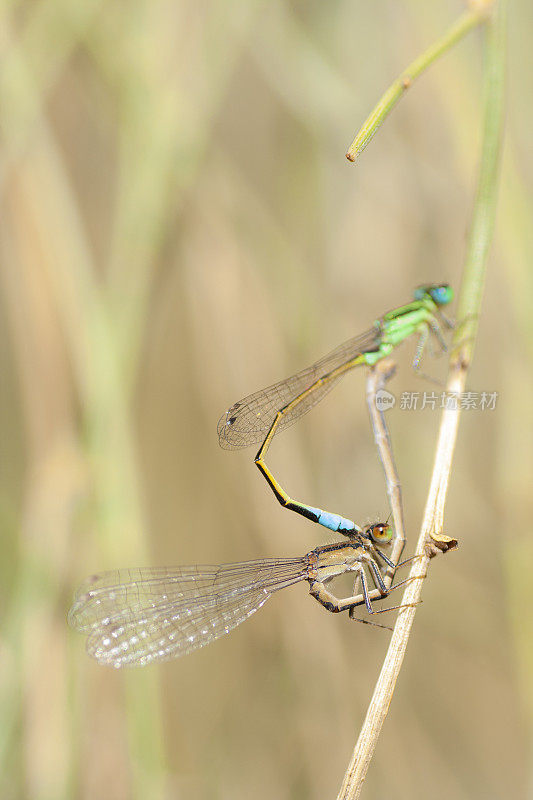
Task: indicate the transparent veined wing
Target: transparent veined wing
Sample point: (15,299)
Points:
(137,616)
(248,421)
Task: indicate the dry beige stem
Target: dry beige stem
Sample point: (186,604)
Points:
(431,525)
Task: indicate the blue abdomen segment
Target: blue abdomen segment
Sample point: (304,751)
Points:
(334,521)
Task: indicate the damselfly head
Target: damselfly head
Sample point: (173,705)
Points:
(440,293)
(378,532)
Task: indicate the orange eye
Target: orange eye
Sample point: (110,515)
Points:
(380,532)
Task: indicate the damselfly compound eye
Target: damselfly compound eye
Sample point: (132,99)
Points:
(380,532)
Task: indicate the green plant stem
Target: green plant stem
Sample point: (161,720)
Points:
(470,296)
(470,19)
(484,212)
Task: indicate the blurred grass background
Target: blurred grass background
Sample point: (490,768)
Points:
(178,228)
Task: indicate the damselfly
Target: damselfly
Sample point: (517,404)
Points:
(261,415)
(135,617)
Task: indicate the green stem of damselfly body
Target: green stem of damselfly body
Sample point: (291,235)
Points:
(477,14)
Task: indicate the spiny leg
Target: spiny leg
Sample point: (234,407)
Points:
(357,580)
(379,583)
(331,602)
(331,521)
(409,560)
(364,587)
(450,323)
(389,608)
(437,333)
(408,580)
(431,326)
(433,351)
(385,558)
(422,341)
(383,583)
(370,609)
(381,588)
(370,622)
(377,577)
(336,605)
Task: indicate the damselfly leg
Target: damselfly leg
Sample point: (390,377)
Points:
(135,617)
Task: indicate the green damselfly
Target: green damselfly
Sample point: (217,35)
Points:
(261,415)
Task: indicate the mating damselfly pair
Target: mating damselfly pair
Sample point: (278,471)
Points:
(139,616)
